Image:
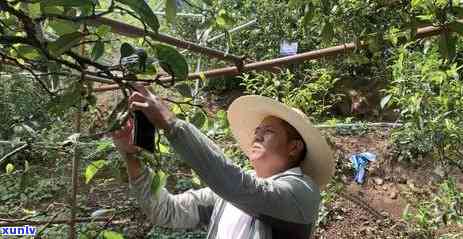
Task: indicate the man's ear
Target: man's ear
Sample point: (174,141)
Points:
(296,147)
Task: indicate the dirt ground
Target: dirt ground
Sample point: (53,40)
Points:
(385,190)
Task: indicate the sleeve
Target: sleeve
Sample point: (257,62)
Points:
(290,198)
(190,209)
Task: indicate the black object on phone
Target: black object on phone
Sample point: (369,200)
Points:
(143,131)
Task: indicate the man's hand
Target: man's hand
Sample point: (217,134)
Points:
(152,106)
(123,141)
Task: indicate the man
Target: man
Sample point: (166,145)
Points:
(279,199)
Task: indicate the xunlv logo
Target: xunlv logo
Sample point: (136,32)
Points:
(18,231)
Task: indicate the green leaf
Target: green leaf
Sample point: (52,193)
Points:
(69,3)
(222,117)
(309,15)
(102,30)
(34,10)
(184,89)
(126,49)
(9,168)
(295,3)
(385,100)
(92,169)
(327,32)
(163,149)
(417,3)
(202,76)
(62,27)
(28,52)
(172,61)
(457,27)
(198,119)
(98,50)
(50,9)
(104,144)
(458,11)
(64,43)
(207,2)
(112,235)
(83,236)
(176,109)
(158,182)
(223,20)
(144,12)
(171,10)
(195,180)
(426,18)
(375,43)
(150,69)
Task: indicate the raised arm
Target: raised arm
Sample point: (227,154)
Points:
(187,210)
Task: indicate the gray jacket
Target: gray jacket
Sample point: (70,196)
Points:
(282,206)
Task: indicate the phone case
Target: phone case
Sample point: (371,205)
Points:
(143,131)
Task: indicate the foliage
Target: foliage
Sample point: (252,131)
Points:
(25,187)
(444,209)
(429,93)
(271,85)
(164,233)
(313,94)
(327,198)
(22,105)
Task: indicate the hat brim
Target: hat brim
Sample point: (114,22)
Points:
(247,112)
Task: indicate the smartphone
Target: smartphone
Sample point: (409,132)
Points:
(143,131)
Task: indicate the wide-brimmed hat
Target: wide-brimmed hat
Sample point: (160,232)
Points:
(247,112)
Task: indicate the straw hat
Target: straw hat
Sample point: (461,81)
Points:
(247,112)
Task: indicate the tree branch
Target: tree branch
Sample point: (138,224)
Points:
(16,63)
(10,40)
(76,19)
(48,224)
(80,18)
(85,61)
(13,153)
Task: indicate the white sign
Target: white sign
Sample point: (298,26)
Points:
(288,48)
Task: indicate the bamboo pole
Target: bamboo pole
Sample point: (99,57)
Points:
(76,153)
(269,65)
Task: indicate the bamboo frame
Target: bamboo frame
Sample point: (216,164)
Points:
(269,65)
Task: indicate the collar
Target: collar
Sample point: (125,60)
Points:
(296,171)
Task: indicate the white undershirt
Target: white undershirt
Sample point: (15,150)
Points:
(234,223)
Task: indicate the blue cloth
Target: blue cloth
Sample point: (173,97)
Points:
(359,162)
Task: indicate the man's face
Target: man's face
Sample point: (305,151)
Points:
(270,147)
